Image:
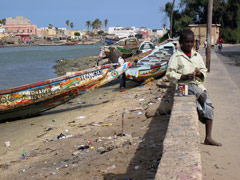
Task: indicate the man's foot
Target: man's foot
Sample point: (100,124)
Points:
(212,142)
(123,90)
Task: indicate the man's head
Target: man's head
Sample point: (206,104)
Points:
(186,40)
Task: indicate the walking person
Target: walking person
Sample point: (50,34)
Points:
(186,66)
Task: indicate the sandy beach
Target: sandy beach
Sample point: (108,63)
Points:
(83,139)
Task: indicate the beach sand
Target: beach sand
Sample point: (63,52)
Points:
(93,120)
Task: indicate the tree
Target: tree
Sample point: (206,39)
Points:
(50,26)
(71,25)
(88,24)
(67,23)
(105,23)
(96,24)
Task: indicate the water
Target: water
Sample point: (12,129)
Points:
(25,65)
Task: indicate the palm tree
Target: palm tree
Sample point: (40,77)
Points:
(96,24)
(71,25)
(50,26)
(67,23)
(105,23)
(88,24)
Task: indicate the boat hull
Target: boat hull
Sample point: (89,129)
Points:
(30,100)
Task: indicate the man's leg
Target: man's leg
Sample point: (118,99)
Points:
(208,139)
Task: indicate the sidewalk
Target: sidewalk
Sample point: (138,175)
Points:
(222,163)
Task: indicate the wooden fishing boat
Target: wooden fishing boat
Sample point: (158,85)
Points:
(29,100)
(146,46)
(153,65)
(127,47)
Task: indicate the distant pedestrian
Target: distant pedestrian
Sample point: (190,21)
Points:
(186,66)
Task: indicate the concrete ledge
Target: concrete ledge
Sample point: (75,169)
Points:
(181,157)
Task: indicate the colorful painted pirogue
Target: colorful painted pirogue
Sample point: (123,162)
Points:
(32,99)
(126,46)
(153,65)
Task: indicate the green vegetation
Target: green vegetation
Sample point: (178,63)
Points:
(71,25)
(96,24)
(67,23)
(88,24)
(225,12)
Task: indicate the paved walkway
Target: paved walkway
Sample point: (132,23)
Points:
(222,163)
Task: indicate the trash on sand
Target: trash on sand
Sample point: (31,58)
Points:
(138,113)
(8,144)
(53,120)
(23,155)
(120,141)
(141,85)
(61,136)
(102,125)
(66,130)
(137,167)
(64,166)
(49,129)
(82,147)
(80,117)
(142,99)
(159,99)
(91,147)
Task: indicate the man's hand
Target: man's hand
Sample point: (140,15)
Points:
(186,77)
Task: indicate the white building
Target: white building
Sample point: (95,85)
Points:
(159,32)
(122,31)
(2,30)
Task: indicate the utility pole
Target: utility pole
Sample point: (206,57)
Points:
(171,20)
(209,28)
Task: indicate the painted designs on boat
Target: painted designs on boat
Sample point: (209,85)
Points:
(32,99)
(153,65)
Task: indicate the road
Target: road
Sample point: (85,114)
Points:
(223,85)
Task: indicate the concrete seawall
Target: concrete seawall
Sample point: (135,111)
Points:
(181,157)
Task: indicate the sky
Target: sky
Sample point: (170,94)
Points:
(138,13)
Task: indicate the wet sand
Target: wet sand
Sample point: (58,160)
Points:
(91,119)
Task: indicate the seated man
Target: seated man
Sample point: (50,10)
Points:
(186,66)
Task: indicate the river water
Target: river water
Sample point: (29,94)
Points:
(25,65)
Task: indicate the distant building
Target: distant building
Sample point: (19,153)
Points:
(17,20)
(159,32)
(122,31)
(21,27)
(200,32)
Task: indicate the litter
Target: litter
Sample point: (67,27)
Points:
(142,99)
(137,167)
(102,125)
(61,136)
(138,113)
(80,117)
(8,144)
(53,120)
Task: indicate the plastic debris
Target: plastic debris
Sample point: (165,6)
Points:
(82,147)
(142,99)
(61,136)
(137,167)
(141,86)
(23,155)
(66,130)
(80,117)
(8,144)
(138,113)
(102,125)
(53,120)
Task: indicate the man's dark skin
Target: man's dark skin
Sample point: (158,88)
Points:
(187,44)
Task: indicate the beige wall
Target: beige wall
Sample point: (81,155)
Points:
(200,32)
